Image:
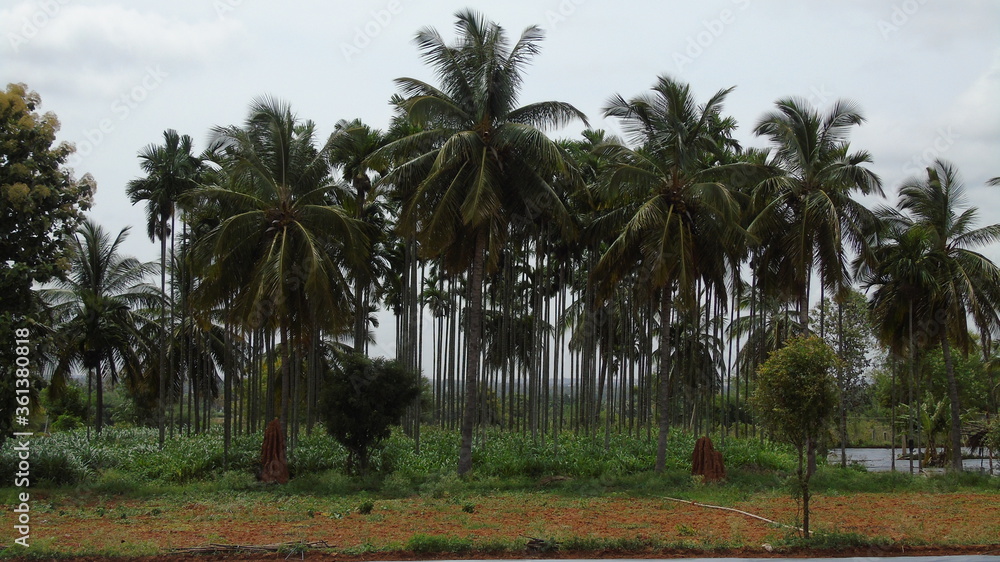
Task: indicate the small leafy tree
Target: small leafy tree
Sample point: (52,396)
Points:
(796,398)
(362,400)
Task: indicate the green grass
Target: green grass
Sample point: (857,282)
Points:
(128,463)
(125,460)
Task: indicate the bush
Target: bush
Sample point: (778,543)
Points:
(362,400)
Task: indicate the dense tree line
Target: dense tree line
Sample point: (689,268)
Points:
(595,284)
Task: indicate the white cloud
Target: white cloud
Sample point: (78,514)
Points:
(109,42)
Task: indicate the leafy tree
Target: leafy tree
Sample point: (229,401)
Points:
(796,398)
(171,171)
(98,311)
(349,147)
(966,284)
(362,399)
(673,221)
(846,327)
(277,258)
(489,163)
(806,210)
(41,205)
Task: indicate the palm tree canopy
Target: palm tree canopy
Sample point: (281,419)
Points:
(490,161)
(171,170)
(674,219)
(99,309)
(280,247)
(967,282)
(805,211)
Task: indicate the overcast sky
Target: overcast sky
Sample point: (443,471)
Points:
(117,74)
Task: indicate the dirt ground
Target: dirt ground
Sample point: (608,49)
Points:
(927,524)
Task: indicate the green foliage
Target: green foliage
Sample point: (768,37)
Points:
(428,544)
(993,436)
(837,540)
(796,393)
(796,398)
(41,204)
(128,458)
(69,403)
(362,400)
(848,330)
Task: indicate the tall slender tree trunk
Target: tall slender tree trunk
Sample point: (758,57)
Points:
(473,345)
(843,386)
(163,331)
(227,400)
(286,376)
(99,382)
(956,422)
(664,376)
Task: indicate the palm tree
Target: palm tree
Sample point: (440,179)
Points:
(277,255)
(805,209)
(967,284)
(489,163)
(674,223)
(350,147)
(98,310)
(171,171)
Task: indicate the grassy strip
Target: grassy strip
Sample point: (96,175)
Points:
(69,458)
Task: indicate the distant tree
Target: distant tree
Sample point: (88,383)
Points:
(847,327)
(99,309)
(796,398)
(362,400)
(41,205)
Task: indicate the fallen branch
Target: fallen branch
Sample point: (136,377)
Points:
(705,505)
(214,548)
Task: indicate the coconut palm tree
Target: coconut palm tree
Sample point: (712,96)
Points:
(100,324)
(171,170)
(806,212)
(278,255)
(966,283)
(350,147)
(489,163)
(674,223)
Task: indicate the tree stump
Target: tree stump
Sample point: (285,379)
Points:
(273,465)
(707,462)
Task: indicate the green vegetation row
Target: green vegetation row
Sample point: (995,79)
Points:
(68,458)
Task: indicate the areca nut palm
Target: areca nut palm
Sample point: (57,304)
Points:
(967,282)
(171,170)
(99,311)
(490,163)
(676,221)
(806,211)
(279,254)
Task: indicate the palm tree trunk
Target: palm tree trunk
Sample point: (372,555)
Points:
(664,376)
(163,339)
(956,422)
(843,385)
(285,376)
(99,381)
(473,344)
